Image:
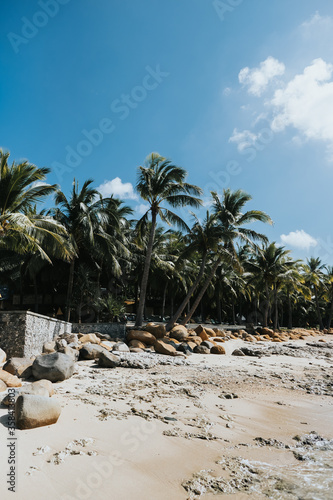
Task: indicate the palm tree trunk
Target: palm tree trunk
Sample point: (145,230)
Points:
(329,321)
(192,289)
(233,314)
(163,300)
(321,326)
(276,308)
(218,309)
(70,290)
(290,313)
(202,291)
(266,307)
(144,282)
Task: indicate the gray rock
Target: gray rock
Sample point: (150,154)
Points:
(208,344)
(201,349)
(21,367)
(91,351)
(49,347)
(103,336)
(60,344)
(121,347)
(46,384)
(27,389)
(3,356)
(69,337)
(237,352)
(36,411)
(54,367)
(185,348)
(73,353)
(108,360)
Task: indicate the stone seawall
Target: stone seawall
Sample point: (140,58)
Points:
(23,333)
(115,330)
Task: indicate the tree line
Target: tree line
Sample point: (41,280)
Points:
(89,250)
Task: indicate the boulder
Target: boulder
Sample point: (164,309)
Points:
(217,349)
(3,356)
(121,347)
(199,329)
(237,352)
(145,337)
(218,332)
(107,345)
(180,354)
(179,333)
(137,344)
(108,360)
(55,367)
(60,344)
(136,349)
(185,348)
(73,353)
(158,331)
(197,340)
(219,339)
(69,337)
(9,379)
(3,386)
(21,367)
(103,336)
(266,331)
(201,349)
(90,351)
(36,411)
(47,384)
(163,348)
(203,335)
(210,332)
(172,342)
(27,389)
(90,338)
(191,344)
(49,347)
(208,344)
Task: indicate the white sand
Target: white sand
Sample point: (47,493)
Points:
(131,458)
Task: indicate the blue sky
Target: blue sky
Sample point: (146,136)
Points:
(238,92)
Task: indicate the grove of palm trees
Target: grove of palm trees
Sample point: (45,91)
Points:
(82,257)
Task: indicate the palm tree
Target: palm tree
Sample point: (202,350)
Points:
(201,240)
(329,281)
(270,268)
(314,278)
(22,229)
(85,215)
(159,182)
(231,222)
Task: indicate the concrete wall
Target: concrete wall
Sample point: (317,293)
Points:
(23,333)
(115,330)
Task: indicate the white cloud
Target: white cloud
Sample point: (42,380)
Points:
(118,188)
(244,139)
(317,21)
(257,79)
(227,91)
(299,239)
(141,208)
(306,101)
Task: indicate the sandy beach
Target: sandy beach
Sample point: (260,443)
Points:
(187,428)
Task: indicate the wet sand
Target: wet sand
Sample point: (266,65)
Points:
(187,429)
